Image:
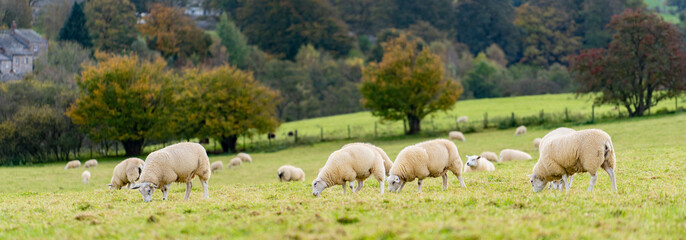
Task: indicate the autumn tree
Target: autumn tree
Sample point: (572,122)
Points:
(122,98)
(409,83)
(111,24)
(224,103)
(549,33)
(644,63)
(174,34)
(74,28)
(233,40)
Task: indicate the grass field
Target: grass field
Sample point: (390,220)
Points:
(48,202)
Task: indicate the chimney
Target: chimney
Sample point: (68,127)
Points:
(14,26)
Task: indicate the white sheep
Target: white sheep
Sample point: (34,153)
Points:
(180,162)
(90,163)
(216,166)
(85,176)
(235,162)
(126,173)
(290,173)
(455,135)
(353,162)
(521,130)
(244,157)
(386,160)
(564,153)
(511,154)
(478,163)
(462,119)
(491,156)
(73,164)
(432,158)
(537,142)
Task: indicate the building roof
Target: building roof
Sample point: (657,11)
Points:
(16,44)
(30,35)
(4,57)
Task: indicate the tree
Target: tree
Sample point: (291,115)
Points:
(111,24)
(365,17)
(174,34)
(645,63)
(225,103)
(480,81)
(549,33)
(482,23)
(407,84)
(52,17)
(680,4)
(74,28)
(122,98)
(15,10)
(281,27)
(435,12)
(233,40)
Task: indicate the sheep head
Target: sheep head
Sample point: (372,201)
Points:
(318,185)
(394,183)
(146,189)
(473,161)
(537,183)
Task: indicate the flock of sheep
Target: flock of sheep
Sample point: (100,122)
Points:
(563,153)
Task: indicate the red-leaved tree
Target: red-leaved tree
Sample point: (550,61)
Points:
(644,63)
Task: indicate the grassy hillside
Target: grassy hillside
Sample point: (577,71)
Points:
(47,201)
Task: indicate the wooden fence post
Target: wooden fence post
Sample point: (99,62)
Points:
(296,135)
(321,134)
(376,133)
(348,131)
(485,120)
(593,113)
(566,115)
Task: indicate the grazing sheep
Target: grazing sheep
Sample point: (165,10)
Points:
(491,156)
(126,173)
(432,158)
(244,157)
(521,130)
(90,163)
(353,162)
(455,135)
(180,162)
(537,141)
(478,163)
(85,176)
(511,154)
(235,162)
(290,173)
(386,160)
(216,166)
(462,119)
(564,153)
(73,164)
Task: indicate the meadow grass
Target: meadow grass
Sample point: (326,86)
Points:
(248,202)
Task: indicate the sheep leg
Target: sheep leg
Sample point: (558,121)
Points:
(204,188)
(419,183)
(165,191)
(610,172)
(461,181)
(571,178)
(594,177)
(189,185)
(401,187)
(564,182)
(382,184)
(445,181)
(344,184)
(359,185)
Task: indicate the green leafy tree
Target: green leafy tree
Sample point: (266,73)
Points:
(51,17)
(74,28)
(122,98)
(281,27)
(18,11)
(436,12)
(366,17)
(484,22)
(645,63)
(481,80)
(111,24)
(407,84)
(549,34)
(224,103)
(233,40)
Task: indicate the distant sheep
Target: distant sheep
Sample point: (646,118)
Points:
(353,162)
(537,142)
(462,119)
(511,154)
(126,173)
(85,176)
(455,135)
(491,156)
(90,163)
(521,130)
(290,173)
(432,158)
(180,162)
(478,163)
(216,166)
(244,157)
(73,164)
(564,153)
(235,162)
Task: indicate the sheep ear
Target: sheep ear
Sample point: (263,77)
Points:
(530,175)
(109,185)
(136,186)
(153,185)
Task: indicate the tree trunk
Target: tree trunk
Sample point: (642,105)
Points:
(133,147)
(229,143)
(415,124)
